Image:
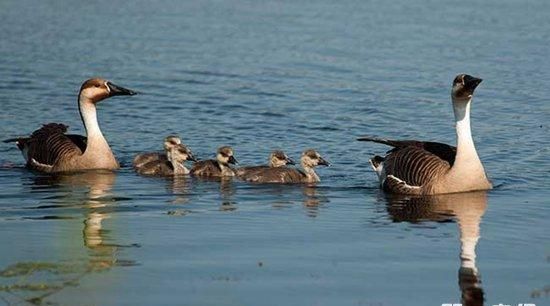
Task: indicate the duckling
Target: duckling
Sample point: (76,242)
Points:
(171,165)
(143,158)
(218,167)
(309,160)
(276,159)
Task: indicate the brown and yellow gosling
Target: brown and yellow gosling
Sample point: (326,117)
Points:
(218,167)
(171,165)
(309,160)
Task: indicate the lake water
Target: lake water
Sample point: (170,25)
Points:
(260,75)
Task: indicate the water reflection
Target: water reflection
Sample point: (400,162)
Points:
(313,200)
(227,193)
(467,209)
(179,186)
(33,282)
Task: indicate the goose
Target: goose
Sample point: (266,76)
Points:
(143,158)
(50,150)
(426,168)
(309,160)
(218,167)
(276,159)
(171,165)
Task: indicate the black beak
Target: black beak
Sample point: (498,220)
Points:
(232,160)
(323,162)
(470,82)
(119,91)
(289,161)
(191,157)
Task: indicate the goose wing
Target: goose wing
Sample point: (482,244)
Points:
(206,168)
(441,150)
(143,158)
(248,171)
(411,170)
(276,175)
(49,144)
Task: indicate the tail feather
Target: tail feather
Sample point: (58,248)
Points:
(378,140)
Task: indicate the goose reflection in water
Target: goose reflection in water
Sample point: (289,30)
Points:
(91,192)
(467,209)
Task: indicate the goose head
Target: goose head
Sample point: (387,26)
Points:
(278,158)
(311,158)
(171,141)
(463,87)
(180,153)
(97,89)
(225,156)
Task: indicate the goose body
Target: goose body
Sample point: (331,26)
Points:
(285,175)
(50,149)
(144,158)
(171,165)
(218,167)
(254,173)
(425,168)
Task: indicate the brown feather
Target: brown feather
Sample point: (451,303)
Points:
(208,167)
(49,144)
(276,175)
(414,166)
(443,151)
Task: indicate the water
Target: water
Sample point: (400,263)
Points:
(258,76)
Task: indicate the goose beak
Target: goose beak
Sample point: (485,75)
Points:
(323,162)
(289,161)
(191,157)
(115,90)
(232,160)
(471,82)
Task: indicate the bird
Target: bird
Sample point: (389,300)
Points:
(218,167)
(286,175)
(143,158)
(276,159)
(171,165)
(416,167)
(49,149)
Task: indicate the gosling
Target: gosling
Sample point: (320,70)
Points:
(171,164)
(144,158)
(218,167)
(285,175)
(276,159)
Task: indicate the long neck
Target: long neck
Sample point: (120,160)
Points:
(226,170)
(310,173)
(466,154)
(96,141)
(179,168)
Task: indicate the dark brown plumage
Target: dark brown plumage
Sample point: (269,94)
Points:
(49,145)
(208,167)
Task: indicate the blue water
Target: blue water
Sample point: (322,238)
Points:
(261,75)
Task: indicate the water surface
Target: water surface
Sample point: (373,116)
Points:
(262,75)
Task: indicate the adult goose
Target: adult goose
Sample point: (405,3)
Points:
(309,160)
(425,168)
(49,149)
